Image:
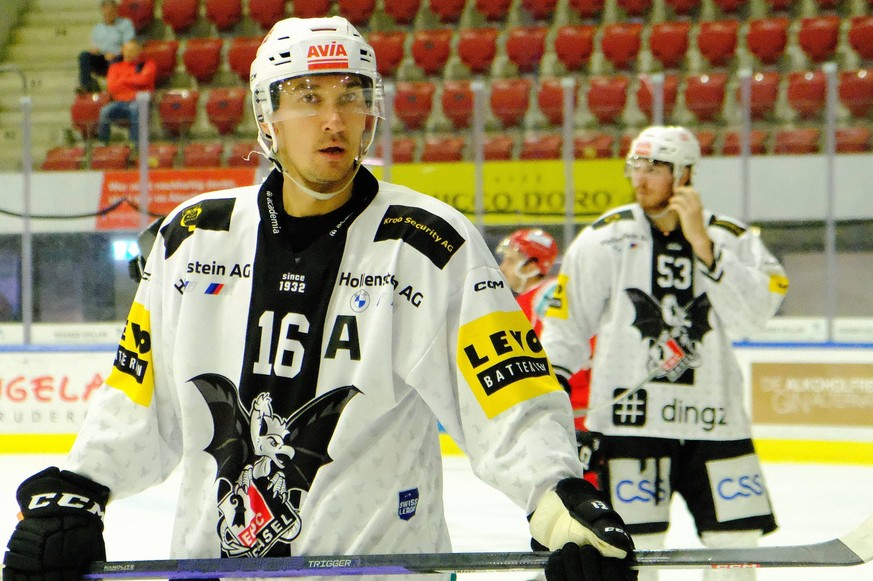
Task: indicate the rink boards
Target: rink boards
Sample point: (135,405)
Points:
(808,404)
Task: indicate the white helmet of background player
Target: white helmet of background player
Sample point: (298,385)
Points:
(668,144)
(297,47)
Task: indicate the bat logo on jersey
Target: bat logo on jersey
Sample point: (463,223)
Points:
(671,331)
(265,463)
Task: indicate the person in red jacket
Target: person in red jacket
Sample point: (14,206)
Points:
(123,81)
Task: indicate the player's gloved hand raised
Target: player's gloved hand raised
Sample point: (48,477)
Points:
(61,531)
(588,537)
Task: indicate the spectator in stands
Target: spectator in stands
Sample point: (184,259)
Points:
(124,80)
(666,285)
(107,38)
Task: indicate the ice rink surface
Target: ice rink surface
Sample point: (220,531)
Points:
(813,503)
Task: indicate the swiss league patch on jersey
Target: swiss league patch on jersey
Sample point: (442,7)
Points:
(426,232)
(503,362)
(132,370)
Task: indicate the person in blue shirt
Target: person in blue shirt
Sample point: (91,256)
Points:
(107,38)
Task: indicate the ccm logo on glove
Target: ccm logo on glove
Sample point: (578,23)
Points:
(65,500)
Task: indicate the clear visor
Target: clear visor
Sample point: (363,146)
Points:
(642,165)
(323,95)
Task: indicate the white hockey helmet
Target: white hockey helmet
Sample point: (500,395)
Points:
(297,47)
(670,144)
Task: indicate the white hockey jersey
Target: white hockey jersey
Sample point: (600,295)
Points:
(300,389)
(663,320)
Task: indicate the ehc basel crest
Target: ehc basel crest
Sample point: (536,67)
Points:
(265,463)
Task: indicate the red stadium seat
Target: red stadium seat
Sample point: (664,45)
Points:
(856,91)
(413,102)
(224,14)
(574,45)
(798,141)
(310,8)
(861,36)
(177,109)
(64,159)
(140,12)
(497,147)
(551,100)
(509,99)
(457,102)
(244,154)
(807,91)
(180,15)
(197,154)
(202,57)
(448,11)
(358,12)
(621,43)
(818,37)
(730,6)
(110,157)
(764,91)
(683,7)
(431,49)
(607,97)
(717,41)
(704,95)
(780,5)
(645,99)
(635,7)
(402,149)
(525,46)
(587,9)
(706,139)
(402,11)
(757,142)
(85,112)
(162,155)
(493,10)
(539,9)
(669,42)
(852,140)
(439,149)
(766,38)
(546,146)
(225,108)
(477,48)
(624,144)
(389,48)
(241,54)
(164,53)
(266,12)
(593,145)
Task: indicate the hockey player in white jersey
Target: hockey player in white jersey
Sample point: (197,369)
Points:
(666,285)
(292,347)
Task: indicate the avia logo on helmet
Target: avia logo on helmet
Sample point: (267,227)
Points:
(327,56)
(643,148)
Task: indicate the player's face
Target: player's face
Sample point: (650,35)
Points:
(652,182)
(515,267)
(319,125)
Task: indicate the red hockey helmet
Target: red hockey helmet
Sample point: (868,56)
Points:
(536,244)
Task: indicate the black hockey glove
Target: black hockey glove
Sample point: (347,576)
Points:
(588,445)
(61,531)
(574,515)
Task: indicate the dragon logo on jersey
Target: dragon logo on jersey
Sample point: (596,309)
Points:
(671,331)
(265,463)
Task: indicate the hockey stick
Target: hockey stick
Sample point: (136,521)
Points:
(854,548)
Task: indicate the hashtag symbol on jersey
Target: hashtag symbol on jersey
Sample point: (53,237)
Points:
(630,411)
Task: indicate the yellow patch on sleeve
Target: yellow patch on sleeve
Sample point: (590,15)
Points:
(132,370)
(558,301)
(502,361)
(778,284)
